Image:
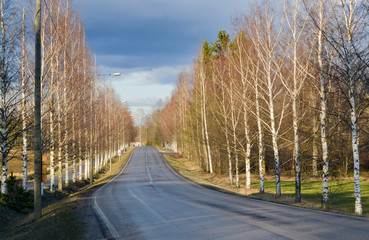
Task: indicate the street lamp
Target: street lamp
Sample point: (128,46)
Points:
(109,74)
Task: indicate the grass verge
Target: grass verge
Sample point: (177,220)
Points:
(61,217)
(341,190)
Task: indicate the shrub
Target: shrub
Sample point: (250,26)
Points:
(17,197)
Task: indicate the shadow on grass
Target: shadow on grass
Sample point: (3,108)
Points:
(57,222)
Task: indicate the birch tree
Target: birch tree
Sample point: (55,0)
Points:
(9,94)
(349,38)
(320,24)
(267,38)
(202,78)
(24,103)
(297,56)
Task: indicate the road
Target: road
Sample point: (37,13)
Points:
(148,200)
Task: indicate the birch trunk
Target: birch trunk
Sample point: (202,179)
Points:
(66,137)
(323,111)
(260,133)
(247,135)
(296,82)
(86,142)
(51,125)
(60,143)
(272,124)
(202,76)
(80,153)
(266,41)
(244,75)
(65,97)
(3,110)
(274,133)
(230,170)
(24,122)
(355,151)
(349,17)
(74,171)
(296,154)
(234,130)
(203,139)
(52,146)
(315,143)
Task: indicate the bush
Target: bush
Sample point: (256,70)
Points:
(100,172)
(17,197)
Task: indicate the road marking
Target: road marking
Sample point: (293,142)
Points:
(148,171)
(97,209)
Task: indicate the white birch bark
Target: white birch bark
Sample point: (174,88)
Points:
(274,137)
(230,170)
(203,138)
(292,11)
(3,110)
(80,153)
(315,142)
(202,76)
(52,140)
(349,61)
(323,110)
(266,39)
(296,23)
(60,143)
(86,164)
(355,150)
(51,120)
(74,157)
(260,132)
(234,134)
(66,155)
(243,71)
(24,121)
(246,127)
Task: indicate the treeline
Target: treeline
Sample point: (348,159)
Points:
(287,94)
(82,119)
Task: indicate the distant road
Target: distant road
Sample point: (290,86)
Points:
(150,201)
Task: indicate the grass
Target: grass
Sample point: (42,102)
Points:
(60,218)
(58,221)
(341,190)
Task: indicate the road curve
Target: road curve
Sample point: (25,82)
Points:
(148,200)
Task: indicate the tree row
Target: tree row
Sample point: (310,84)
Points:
(83,120)
(286,94)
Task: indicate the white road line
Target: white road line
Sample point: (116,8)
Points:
(97,209)
(148,171)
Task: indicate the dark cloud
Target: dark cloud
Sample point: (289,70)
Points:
(151,41)
(153,32)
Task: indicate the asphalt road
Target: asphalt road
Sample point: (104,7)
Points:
(148,200)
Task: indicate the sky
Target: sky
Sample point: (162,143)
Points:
(150,41)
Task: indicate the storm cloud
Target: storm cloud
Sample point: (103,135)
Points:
(150,41)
